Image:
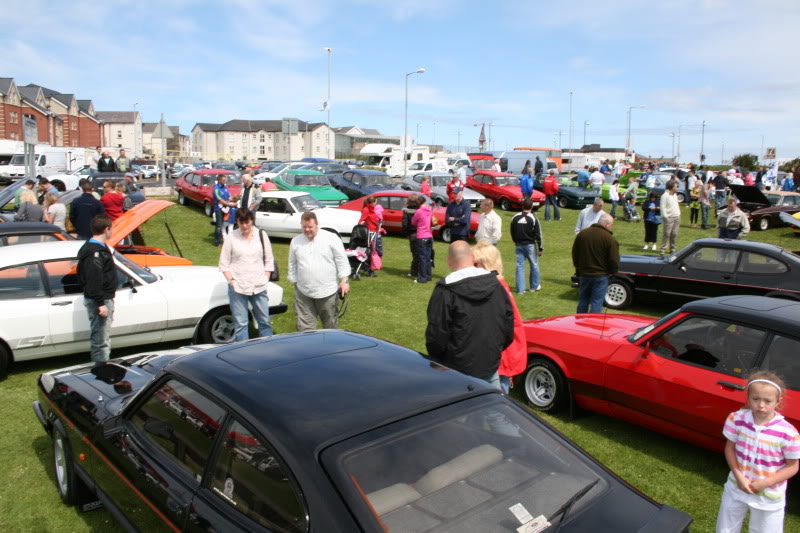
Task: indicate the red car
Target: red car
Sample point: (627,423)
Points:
(393,202)
(503,188)
(680,375)
(197,186)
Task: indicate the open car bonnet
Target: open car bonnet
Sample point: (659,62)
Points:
(750,195)
(132,219)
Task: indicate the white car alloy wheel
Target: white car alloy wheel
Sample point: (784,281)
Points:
(540,387)
(60,464)
(618,295)
(222,329)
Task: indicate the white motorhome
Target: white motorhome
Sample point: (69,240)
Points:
(389,158)
(49,160)
(8,149)
(513,161)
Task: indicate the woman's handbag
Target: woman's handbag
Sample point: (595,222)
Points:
(657,219)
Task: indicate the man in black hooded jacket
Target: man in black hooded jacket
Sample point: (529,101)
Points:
(470,319)
(98,277)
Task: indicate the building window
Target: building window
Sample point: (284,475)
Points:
(244,137)
(261,150)
(260,137)
(269,136)
(230,149)
(254,149)
(269,149)
(119,134)
(317,148)
(254,136)
(317,135)
(13,118)
(14,136)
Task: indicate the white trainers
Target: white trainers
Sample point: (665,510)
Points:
(645,247)
(654,247)
(538,288)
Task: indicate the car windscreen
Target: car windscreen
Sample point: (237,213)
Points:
(439,181)
(142,272)
(507,180)
(306,203)
(376,180)
(279,167)
(774,199)
(226,166)
(417,166)
(644,330)
(483,164)
(464,472)
(18,159)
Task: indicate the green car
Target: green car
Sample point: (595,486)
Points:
(314,183)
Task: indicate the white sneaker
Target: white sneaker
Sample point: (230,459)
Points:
(645,247)
(654,247)
(538,288)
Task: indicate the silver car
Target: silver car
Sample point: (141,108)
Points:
(439,188)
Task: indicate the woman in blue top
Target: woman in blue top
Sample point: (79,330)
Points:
(526,180)
(652,219)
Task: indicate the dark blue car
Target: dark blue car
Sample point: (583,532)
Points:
(358,183)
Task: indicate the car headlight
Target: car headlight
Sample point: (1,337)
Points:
(521,199)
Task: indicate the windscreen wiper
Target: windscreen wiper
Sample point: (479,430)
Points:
(565,509)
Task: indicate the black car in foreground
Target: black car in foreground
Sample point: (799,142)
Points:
(707,268)
(324,431)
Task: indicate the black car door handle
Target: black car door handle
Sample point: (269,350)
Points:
(62,303)
(730,385)
(727,277)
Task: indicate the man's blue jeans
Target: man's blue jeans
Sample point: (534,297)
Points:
(529,253)
(100,330)
(241,319)
(704,215)
(551,199)
(592,291)
(219,217)
(720,197)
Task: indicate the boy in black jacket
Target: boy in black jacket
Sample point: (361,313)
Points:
(98,277)
(526,232)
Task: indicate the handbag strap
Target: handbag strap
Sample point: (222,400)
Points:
(263,247)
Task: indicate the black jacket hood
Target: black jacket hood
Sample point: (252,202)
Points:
(474,288)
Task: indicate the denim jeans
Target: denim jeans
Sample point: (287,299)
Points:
(218,223)
(424,247)
(614,204)
(241,319)
(505,384)
(720,197)
(100,330)
(591,293)
(704,215)
(551,199)
(529,253)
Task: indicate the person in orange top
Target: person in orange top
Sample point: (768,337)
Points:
(368,214)
(514,359)
(112,200)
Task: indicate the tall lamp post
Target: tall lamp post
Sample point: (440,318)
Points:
(630,112)
(673,146)
(434,134)
(559,135)
(416,139)
(680,126)
(420,70)
(569,146)
(702,143)
(458,148)
(585,123)
(328,50)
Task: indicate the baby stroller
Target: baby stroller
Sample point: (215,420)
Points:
(358,251)
(629,209)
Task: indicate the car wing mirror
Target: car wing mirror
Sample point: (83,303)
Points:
(683,268)
(112,426)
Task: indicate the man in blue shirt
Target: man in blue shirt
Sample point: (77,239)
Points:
(222,205)
(458,217)
(583,177)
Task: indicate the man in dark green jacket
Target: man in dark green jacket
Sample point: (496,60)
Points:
(595,254)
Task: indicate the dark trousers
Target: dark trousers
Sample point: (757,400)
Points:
(412,245)
(650,232)
(454,237)
(218,222)
(424,248)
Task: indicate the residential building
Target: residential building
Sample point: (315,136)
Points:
(177,147)
(122,129)
(351,139)
(249,140)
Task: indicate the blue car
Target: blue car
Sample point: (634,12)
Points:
(358,183)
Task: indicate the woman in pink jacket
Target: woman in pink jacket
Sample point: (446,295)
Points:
(514,359)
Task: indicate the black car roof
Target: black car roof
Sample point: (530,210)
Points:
(306,389)
(777,314)
(18,228)
(753,246)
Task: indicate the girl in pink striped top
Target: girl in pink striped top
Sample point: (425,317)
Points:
(762,452)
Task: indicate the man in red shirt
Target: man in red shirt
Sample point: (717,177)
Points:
(452,185)
(551,191)
(112,201)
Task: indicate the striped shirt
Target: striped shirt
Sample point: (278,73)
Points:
(761,451)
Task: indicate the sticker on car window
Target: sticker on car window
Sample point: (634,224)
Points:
(536,525)
(521,513)
(228,491)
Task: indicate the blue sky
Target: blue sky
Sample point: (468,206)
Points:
(732,63)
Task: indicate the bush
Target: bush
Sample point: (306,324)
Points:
(745,162)
(790,166)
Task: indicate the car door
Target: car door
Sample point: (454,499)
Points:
(685,378)
(701,272)
(781,358)
(192,190)
(153,461)
(278,218)
(27,331)
(760,274)
(392,212)
(67,317)
(248,488)
(141,310)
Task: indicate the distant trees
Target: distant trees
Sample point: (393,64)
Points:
(745,162)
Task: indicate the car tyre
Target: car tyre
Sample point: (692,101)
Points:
(70,488)
(5,361)
(763,223)
(217,327)
(562,202)
(208,209)
(181,198)
(445,235)
(505,204)
(544,386)
(680,197)
(439,202)
(619,294)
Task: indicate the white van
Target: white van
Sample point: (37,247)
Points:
(49,160)
(513,161)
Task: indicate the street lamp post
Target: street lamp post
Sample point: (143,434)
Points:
(420,70)
(559,134)
(569,146)
(416,139)
(673,145)
(328,50)
(585,123)
(434,134)
(630,112)
(678,162)
(458,148)
(702,143)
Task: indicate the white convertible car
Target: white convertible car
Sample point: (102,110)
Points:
(280,211)
(44,314)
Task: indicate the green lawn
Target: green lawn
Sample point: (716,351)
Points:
(391,307)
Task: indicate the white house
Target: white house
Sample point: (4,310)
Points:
(249,140)
(122,129)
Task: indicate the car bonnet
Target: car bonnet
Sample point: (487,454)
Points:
(132,219)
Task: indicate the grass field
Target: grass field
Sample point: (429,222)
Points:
(391,307)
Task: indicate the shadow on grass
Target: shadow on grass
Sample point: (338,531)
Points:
(99,520)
